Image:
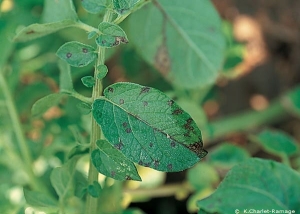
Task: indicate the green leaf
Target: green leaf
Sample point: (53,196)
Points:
(255,184)
(38,30)
(112,163)
(40,200)
(43,104)
(276,142)
(148,127)
(94,189)
(95,6)
(122,6)
(102,71)
(88,81)
(185,42)
(202,176)
(112,35)
(59,10)
(76,54)
(92,34)
(227,155)
(65,77)
(62,179)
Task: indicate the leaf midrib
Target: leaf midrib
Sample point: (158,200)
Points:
(185,37)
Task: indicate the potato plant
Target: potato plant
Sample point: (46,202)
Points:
(95,128)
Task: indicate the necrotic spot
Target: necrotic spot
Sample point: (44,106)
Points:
(170,102)
(121,101)
(68,55)
(156,163)
(124,124)
(30,32)
(112,173)
(128,177)
(170,166)
(145,103)
(151,145)
(84,50)
(110,89)
(173,144)
(177,111)
(128,130)
(145,90)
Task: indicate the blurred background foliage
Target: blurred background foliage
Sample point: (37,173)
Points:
(257,88)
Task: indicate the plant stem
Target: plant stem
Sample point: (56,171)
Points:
(245,121)
(25,152)
(91,203)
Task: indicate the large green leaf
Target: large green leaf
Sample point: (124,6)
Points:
(40,200)
(183,40)
(255,184)
(112,163)
(58,10)
(62,179)
(148,127)
(227,155)
(95,6)
(43,104)
(276,142)
(38,30)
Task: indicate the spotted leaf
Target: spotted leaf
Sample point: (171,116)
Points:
(77,54)
(112,163)
(122,6)
(148,127)
(112,35)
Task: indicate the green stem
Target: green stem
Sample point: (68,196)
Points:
(86,27)
(91,203)
(25,152)
(245,121)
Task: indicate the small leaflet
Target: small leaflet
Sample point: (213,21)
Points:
(102,71)
(76,54)
(112,35)
(112,163)
(88,81)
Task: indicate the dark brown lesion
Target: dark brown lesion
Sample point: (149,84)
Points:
(145,90)
(170,166)
(124,124)
(68,55)
(128,130)
(110,89)
(121,101)
(128,177)
(173,144)
(30,32)
(197,148)
(170,102)
(119,40)
(156,163)
(145,103)
(177,111)
(84,50)
(119,145)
